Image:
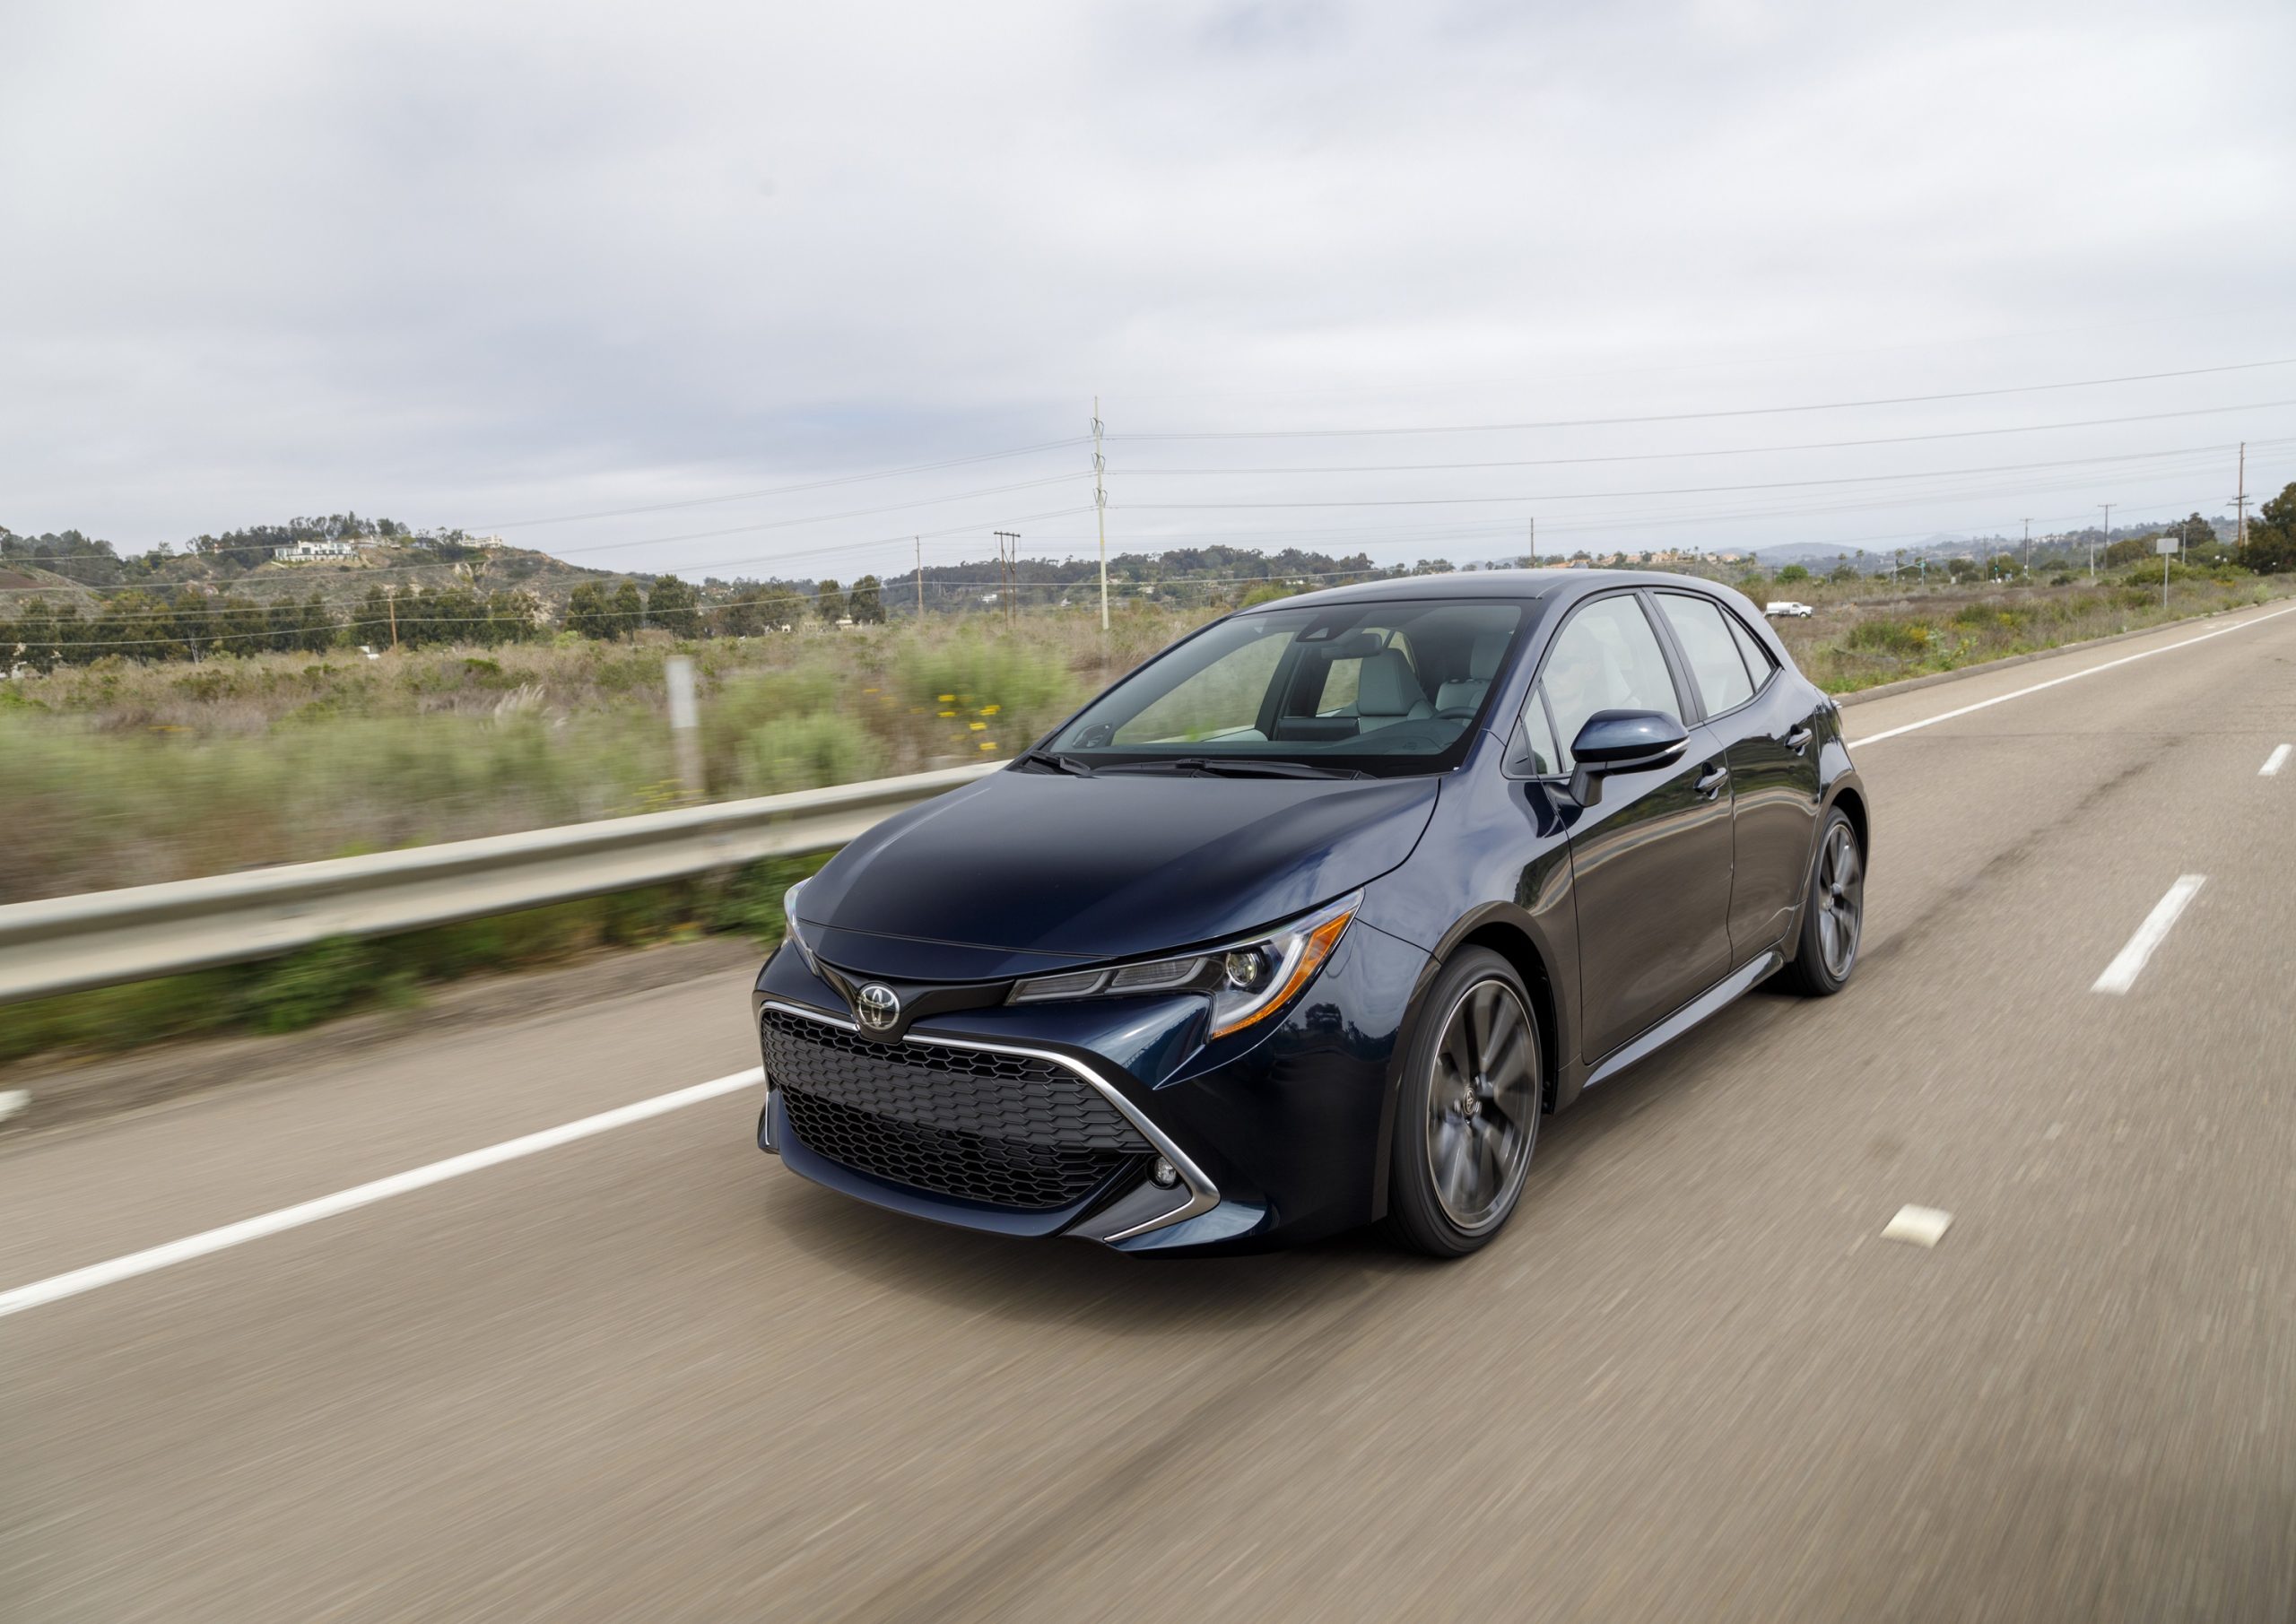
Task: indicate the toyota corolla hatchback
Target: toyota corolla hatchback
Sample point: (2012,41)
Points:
(1307,921)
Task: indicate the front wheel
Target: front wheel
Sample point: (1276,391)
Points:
(1833,919)
(1467,1118)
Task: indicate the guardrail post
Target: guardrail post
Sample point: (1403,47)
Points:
(685,725)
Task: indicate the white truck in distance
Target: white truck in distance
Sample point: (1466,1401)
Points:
(1786,607)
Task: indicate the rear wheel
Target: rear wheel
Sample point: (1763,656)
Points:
(1467,1118)
(1833,919)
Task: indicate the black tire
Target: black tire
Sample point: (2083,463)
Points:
(1833,913)
(1467,1112)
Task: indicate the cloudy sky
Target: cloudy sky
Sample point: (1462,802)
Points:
(490,265)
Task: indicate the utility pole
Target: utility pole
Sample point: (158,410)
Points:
(2029,547)
(2240,500)
(920,577)
(1008,559)
(2108,507)
(1532,539)
(1100,507)
(390,604)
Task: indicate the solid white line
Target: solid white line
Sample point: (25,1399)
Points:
(60,1286)
(2221,631)
(2273,762)
(2121,974)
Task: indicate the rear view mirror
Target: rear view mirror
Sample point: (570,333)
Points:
(1621,741)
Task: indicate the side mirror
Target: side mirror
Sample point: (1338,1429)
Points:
(1621,741)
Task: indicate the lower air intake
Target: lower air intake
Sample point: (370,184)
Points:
(1005,1130)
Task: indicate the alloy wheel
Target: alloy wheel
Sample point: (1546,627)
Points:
(1482,1106)
(1841,900)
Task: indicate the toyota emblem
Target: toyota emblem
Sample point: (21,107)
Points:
(878,1007)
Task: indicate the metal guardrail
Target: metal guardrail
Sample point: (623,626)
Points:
(101,938)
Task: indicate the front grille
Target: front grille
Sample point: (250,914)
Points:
(1008,1130)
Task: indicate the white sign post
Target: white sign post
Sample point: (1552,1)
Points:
(2165,546)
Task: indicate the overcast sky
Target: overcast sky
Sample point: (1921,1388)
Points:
(485,264)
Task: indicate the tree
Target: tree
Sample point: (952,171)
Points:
(672,604)
(35,630)
(628,612)
(588,611)
(512,616)
(829,603)
(2272,535)
(371,625)
(867,603)
(1792,573)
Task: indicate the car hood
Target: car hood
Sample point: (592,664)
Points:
(1024,871)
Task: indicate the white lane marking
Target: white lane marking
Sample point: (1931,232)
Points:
(2121,974)
(2273,762)
(1920,1226)
(59,1286)
(2221,631)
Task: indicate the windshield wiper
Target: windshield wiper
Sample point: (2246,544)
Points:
(1053,761)
(1238,767)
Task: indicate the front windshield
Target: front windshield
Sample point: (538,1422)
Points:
(1384,688)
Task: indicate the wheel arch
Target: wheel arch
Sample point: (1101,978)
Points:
(1851,799)
(1494,929)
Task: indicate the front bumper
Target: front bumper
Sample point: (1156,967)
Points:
(1271,1135)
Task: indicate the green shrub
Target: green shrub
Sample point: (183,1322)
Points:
(309,985)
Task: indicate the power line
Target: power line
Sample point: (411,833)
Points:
(818,519)
(820,484)
(1569,496)
(1685,417)
(1647,457)
(1378,571)
(271,598)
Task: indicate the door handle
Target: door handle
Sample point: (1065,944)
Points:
(1710,783)
(1799,738)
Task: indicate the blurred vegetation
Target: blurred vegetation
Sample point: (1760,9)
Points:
(1875,633)
(127,773)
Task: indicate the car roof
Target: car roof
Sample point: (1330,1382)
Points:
(1519,585)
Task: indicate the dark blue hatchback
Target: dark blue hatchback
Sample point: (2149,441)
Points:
(1307,922)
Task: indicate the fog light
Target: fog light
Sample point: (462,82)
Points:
(1165,1175)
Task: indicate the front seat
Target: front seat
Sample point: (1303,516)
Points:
(1387,691)
(1465,695)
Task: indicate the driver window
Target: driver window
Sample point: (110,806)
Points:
(1605,658)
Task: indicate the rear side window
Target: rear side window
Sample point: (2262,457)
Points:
(1703,630)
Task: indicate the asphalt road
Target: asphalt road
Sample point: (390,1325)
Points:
(650,1375)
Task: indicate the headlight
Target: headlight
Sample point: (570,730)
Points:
(797,932)
(1248,980)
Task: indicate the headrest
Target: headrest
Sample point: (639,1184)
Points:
(1388,686)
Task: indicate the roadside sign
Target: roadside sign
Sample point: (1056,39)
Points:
(2167,544)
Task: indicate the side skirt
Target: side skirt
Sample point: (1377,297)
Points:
(1722,994)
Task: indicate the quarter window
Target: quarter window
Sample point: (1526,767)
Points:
(1605,658)
(1703,631)
(1535,754)
(1757,658)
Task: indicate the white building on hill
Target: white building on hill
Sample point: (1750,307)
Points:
(313,552)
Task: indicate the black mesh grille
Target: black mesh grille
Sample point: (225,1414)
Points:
(1004,1129)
